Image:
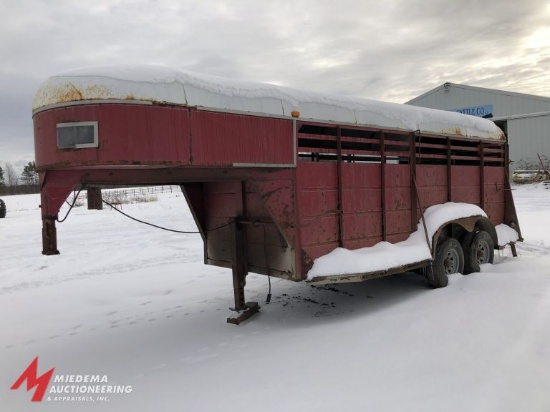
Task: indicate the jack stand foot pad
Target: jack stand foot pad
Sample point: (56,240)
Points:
(251,309)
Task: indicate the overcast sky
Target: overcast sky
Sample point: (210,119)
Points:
(390,50)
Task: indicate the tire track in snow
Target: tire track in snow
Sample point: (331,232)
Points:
(532,247)
(107,270)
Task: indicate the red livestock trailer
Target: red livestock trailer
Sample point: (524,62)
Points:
(277,179)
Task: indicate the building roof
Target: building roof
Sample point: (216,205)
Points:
(449,85)
(521,116)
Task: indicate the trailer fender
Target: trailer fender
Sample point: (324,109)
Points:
(462,232)
(459,228)
(485,224)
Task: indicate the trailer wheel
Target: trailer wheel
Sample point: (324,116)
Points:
(2,209)
(478,249)
(466,243)
(449,259)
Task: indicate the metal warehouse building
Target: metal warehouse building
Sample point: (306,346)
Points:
(525,118)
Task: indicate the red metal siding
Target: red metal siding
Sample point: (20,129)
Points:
(432,185)
(362,204)
(148,135)
(224,139)
(222,204)
(398,202)
(345,191)
(269,250)
(317,199)
(276,192)
(495,185)
(128,135)
(465,184)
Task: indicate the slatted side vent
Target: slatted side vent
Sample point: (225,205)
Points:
(319,143)
(459,151)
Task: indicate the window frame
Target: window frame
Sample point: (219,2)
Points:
(95,143)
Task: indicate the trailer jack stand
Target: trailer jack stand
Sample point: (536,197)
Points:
(49,236)
(251,309)
(240,271)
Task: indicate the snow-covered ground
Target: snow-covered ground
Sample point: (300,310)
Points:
(135,306)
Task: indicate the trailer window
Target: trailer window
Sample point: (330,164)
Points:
(77,135)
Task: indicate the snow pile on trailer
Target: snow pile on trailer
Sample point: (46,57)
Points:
(169,86)
(416,248)
(506,234)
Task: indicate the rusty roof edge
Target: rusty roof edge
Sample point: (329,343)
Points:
(91,101)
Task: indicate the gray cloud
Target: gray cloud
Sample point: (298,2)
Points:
(392,50)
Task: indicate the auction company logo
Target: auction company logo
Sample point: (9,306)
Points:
(68,387)
(41,382)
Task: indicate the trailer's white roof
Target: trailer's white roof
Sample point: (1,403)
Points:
(172,86)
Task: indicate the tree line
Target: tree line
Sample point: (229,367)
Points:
(12,182)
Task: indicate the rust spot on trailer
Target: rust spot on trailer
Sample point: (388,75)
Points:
(307,263)
(95,91)
(70,94)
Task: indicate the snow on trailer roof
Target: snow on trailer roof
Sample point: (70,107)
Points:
(172,86)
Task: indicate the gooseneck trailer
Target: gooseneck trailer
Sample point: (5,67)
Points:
(279,180)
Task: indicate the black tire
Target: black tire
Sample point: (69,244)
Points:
(478,249)
(449,259)
(2,209)
(466,243)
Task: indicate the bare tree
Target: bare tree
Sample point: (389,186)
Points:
(11,177)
